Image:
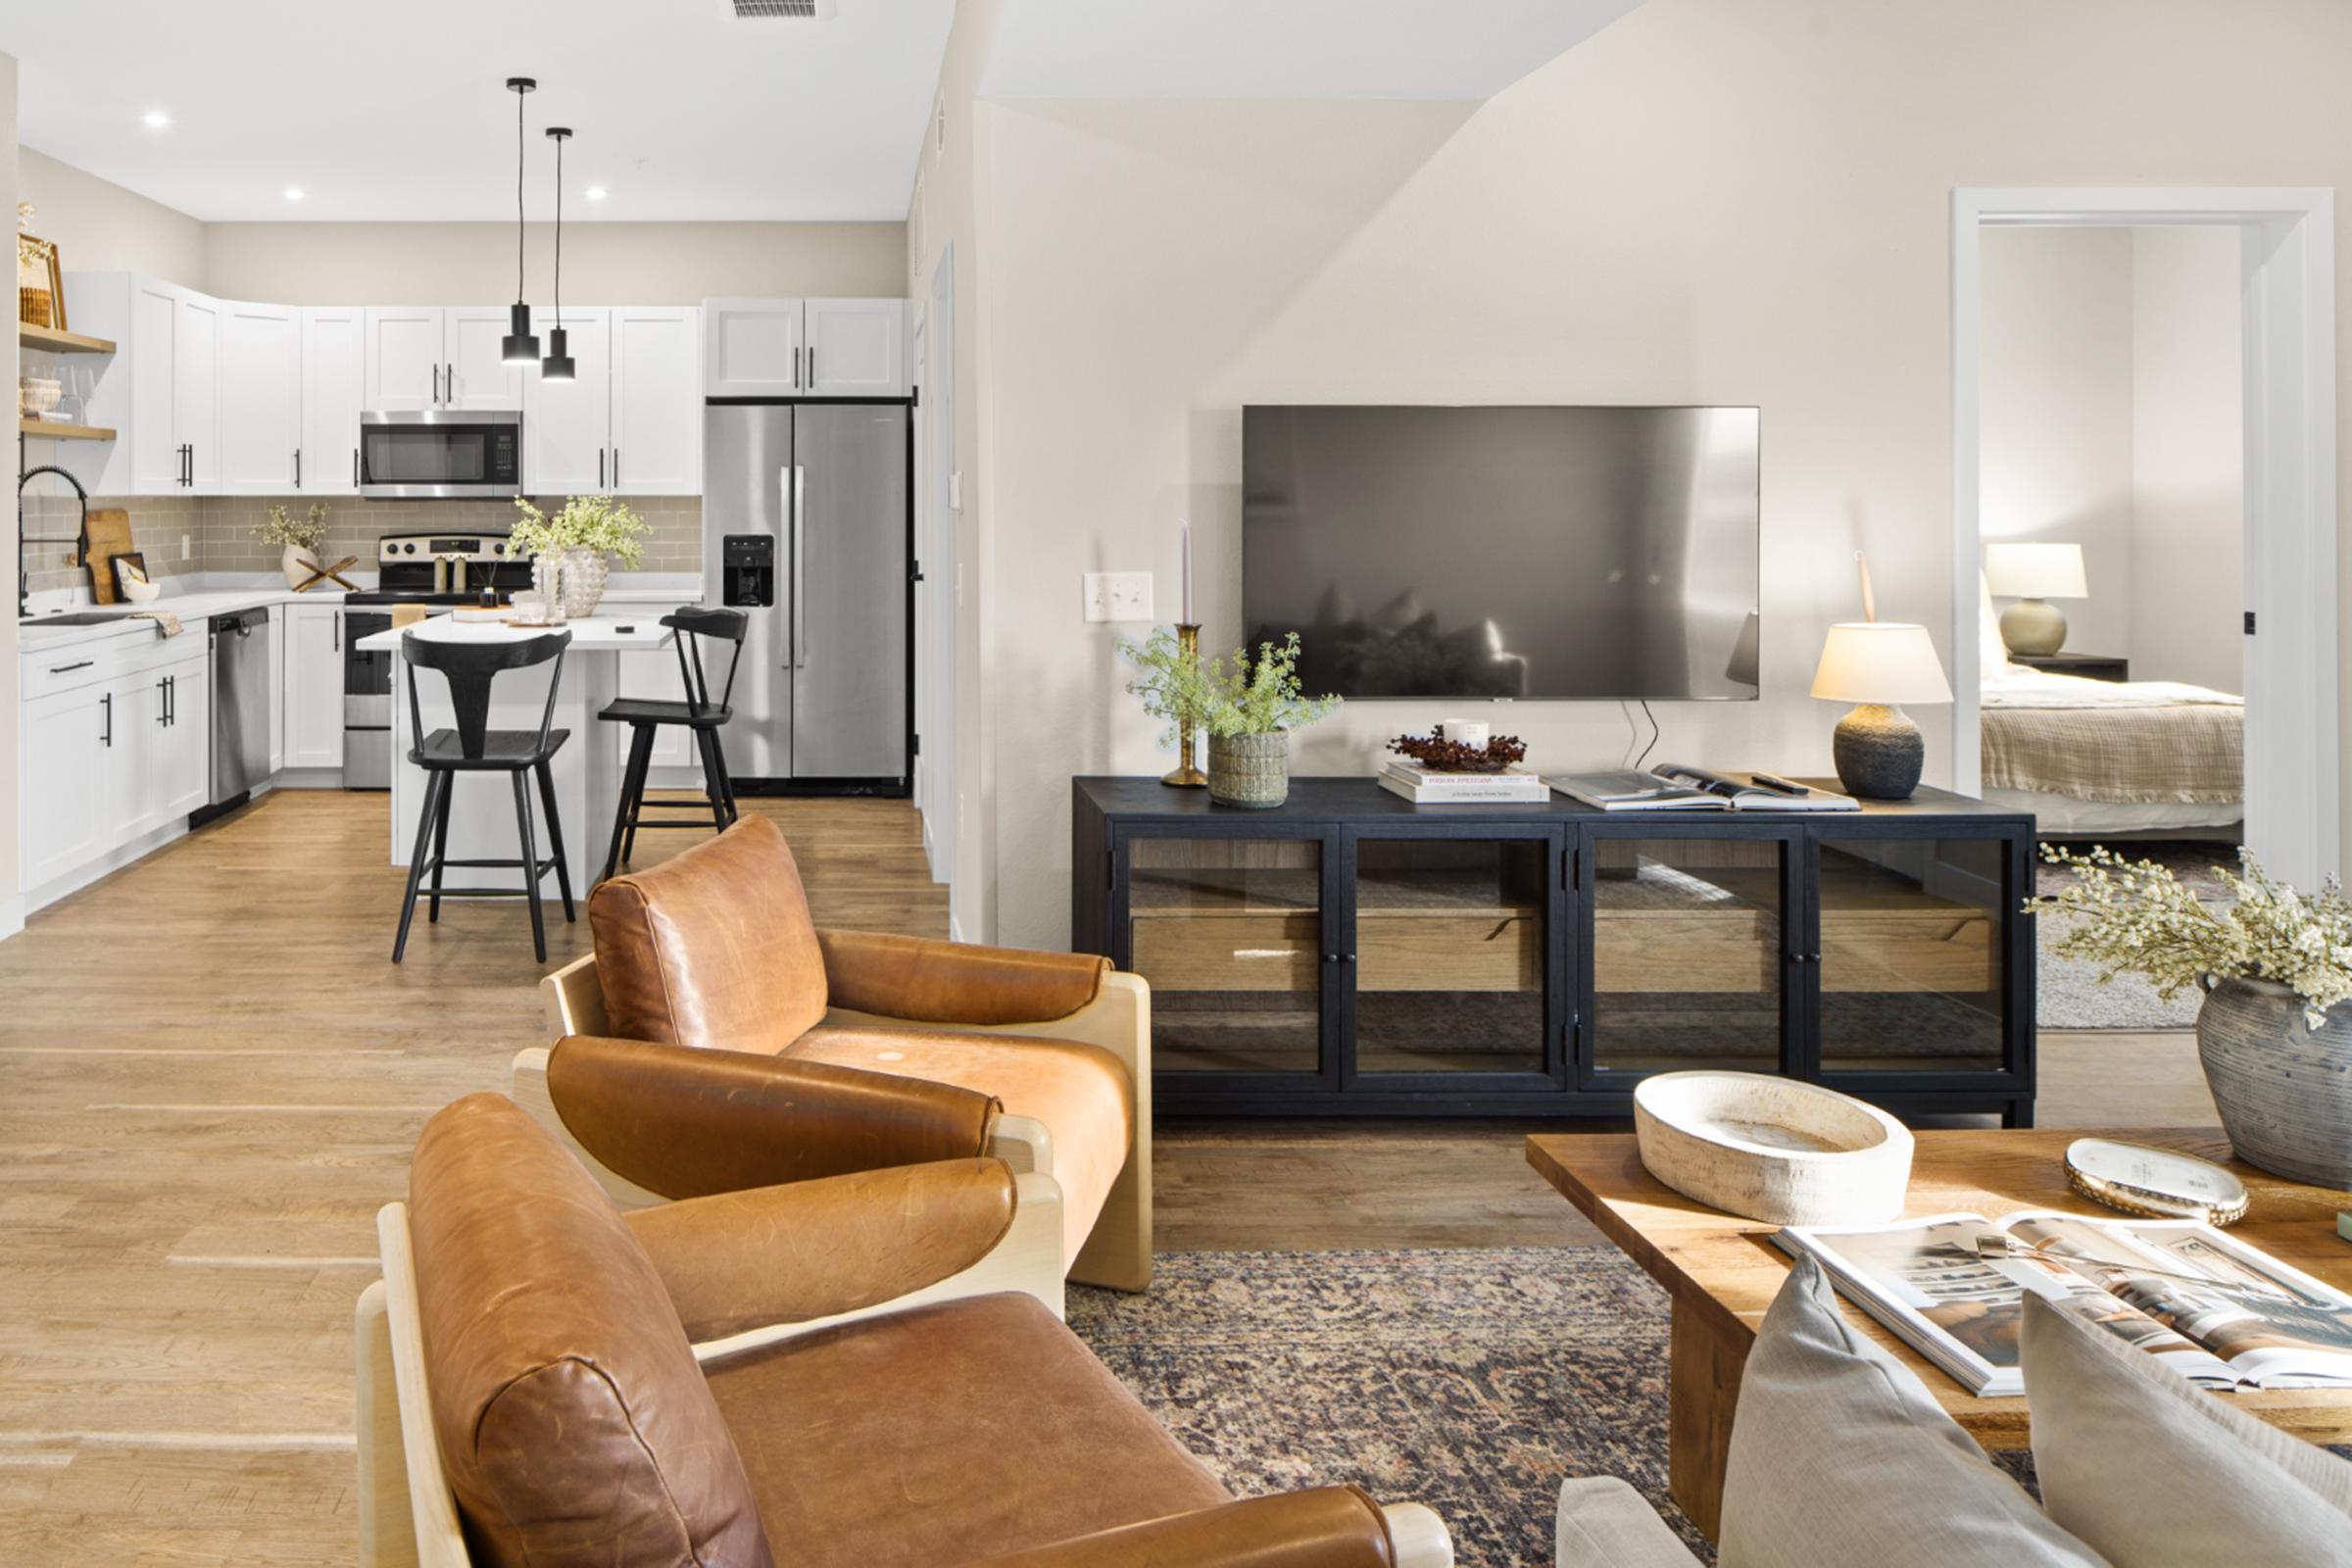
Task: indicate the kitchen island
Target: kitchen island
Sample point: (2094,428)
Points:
(586,769)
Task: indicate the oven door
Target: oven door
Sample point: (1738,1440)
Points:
(440,454)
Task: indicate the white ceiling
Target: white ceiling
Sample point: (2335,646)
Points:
(398,111)
(1282,48)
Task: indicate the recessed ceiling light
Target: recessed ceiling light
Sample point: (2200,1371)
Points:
(293,193)
(596,193)
(154,119)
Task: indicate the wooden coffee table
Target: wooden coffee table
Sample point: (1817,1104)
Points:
(1723,1271)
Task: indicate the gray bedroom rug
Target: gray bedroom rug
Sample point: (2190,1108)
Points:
(2068,992)
(1472,1380)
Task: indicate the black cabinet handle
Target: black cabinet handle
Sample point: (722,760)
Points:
(162,700)
(171,701)
(811,367)
(617,468)
(600,467)
(79,664)
(105,700)
(298,468)
(338,634)
(355,467)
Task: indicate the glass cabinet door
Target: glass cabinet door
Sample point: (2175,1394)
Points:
(1452,946)
(1229,933)
(1912,968)
(1686,952)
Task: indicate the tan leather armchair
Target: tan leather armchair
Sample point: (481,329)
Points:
(716,949)
(547,1380)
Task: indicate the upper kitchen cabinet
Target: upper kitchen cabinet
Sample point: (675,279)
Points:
(261,413)
(334,389)
(174,430)
(568,441)
(856,348)
(425,357)
(751,348)
(805,348)
(656,413)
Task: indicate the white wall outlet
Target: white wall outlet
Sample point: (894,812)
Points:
(1119,596)
(184,551)
(955,489)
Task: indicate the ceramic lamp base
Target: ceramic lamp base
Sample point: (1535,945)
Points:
(1879,753)
(2033,627)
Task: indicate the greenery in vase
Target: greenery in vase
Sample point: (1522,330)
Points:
(2134,917)
(281,529)
(601,523)
(1248,698)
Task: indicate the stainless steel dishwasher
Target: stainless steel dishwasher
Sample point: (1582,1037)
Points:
(243,661)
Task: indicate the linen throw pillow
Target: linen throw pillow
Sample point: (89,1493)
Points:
(2158,1473)
(1840,1458)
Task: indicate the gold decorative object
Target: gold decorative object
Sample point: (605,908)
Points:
(1184,776)
(2155,1183)
(40,284)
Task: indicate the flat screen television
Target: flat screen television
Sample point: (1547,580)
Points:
(1540,551)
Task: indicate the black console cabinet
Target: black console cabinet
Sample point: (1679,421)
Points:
(1350,954)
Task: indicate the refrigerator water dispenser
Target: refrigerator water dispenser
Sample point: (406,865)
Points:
(749,569)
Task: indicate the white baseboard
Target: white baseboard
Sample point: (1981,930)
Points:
(89,871)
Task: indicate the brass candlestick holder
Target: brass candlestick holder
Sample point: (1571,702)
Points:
(1184,776)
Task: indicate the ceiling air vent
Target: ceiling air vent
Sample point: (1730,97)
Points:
(786,10)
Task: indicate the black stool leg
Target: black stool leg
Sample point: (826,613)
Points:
(726,780)
(630,780)
(432,910)
(435,784)
(530,864)
(554,838)
(641,762)
(714,779)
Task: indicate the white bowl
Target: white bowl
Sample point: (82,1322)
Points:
(1772,1149)
(141,593)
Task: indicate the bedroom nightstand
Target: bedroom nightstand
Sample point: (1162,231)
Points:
(2090,666)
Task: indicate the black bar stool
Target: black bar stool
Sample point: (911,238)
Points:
(474,748)
(645,716)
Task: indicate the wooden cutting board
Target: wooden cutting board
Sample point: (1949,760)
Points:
(110,536)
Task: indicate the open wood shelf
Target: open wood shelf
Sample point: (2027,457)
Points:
(57,341)
(52,430)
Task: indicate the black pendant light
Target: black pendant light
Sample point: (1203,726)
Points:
(520,346)
(557,366)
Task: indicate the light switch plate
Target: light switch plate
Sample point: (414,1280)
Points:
(1119,596)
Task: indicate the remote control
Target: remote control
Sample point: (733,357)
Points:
(1774,781)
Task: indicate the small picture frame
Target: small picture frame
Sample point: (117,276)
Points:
(40,284)
(128,568)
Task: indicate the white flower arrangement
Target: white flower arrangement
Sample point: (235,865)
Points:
(2134,917)
(601,523)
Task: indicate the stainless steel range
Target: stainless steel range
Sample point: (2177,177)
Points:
(412,568)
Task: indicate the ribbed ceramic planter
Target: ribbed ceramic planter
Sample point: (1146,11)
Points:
(583,582)
(2285,1090)
(1249,770)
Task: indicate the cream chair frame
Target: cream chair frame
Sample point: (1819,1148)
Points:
(404,1525)
(1116,1254)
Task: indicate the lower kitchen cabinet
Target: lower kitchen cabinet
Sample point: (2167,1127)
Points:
(313,685)
(109,763)
(65,819)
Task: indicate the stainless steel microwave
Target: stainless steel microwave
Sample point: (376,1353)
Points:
(441,454)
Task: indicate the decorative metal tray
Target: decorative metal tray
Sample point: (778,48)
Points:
(2159,1183)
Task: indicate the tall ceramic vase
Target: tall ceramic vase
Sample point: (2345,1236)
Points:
(583,578)
(2283,1089)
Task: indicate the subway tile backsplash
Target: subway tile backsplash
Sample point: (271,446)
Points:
(220,531)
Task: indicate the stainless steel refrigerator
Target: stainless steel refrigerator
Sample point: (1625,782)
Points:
(806,523)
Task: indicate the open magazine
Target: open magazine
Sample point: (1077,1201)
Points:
(1681,787)
(2217,1311)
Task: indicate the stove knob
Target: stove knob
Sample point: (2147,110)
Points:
(409,548)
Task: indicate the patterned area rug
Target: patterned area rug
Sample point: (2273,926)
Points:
(1472,1380)
(2067,994)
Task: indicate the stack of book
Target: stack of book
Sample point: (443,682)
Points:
(1513,786)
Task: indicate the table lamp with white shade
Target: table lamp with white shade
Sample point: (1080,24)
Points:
(2034,573)
(1878,666)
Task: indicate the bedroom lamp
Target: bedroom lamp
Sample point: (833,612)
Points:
(2034,573)
(1877,665)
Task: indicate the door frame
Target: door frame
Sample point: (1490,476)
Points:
(942,580)
(2292,786)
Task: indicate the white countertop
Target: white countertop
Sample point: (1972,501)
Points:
(608,632)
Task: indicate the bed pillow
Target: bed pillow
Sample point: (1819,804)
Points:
(2109,1420)
(1840,1458)
(1992,652)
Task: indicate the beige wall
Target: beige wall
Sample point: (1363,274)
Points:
(1710,201)
(2057,412)
(613,263)
(2187,457)
(101,227)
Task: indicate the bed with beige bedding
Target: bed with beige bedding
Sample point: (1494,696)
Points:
(2091,756)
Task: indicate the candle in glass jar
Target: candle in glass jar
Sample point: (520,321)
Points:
(1188,574)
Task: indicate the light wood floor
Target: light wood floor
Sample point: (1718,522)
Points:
(213,1078)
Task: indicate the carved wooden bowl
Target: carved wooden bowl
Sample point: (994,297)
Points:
(1773,1149)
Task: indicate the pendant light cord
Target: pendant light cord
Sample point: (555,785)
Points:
(518,156)
(558,231)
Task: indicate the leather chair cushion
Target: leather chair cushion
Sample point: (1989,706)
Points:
(946,1433)
(575,1424)
(714,946)
(1080,1092)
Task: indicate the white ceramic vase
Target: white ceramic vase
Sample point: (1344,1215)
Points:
(297,565)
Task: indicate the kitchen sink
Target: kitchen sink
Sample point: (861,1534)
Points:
(79,617)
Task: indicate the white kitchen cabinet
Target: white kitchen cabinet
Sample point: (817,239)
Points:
(181,780)
(856,348)
(260,398)
(174,391)
(334,389)
(278,689)
(196,388)
(477,375)
(313,683)
(568,440)
(61,819)
(657,409)
(751,348)
(403,357)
